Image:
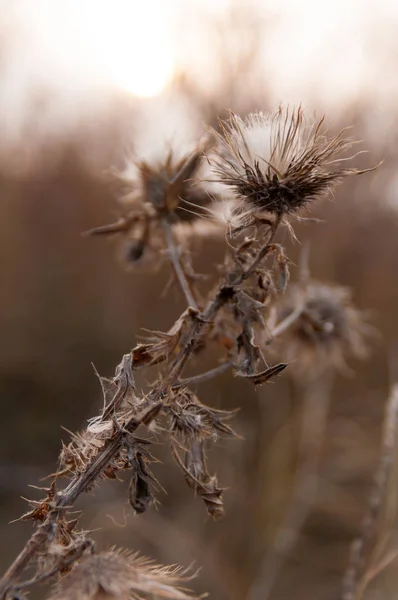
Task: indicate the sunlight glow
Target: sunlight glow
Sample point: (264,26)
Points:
(131,41)
(122,43)
(87,48)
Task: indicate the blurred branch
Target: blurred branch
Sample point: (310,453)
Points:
(315,412)
(366,560)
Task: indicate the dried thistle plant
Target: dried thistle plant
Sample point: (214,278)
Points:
(275,165)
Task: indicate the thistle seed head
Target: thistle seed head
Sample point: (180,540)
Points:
(122,575)
(277,163)
(329,329)
(168,185)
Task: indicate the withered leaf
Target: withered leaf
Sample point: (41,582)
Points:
(197,477)
(264,376)
(140,493)
(162,345)
(249,308)
(192,419)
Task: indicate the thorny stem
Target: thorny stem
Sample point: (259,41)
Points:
(174,256)
(68,496)
(125,379)
(260,256)
(48,574)
(96,466)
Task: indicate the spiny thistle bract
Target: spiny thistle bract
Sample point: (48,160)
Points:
(277,163)
(166,184)
(165,187)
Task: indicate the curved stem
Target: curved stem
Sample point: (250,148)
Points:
(287,322)
(208,375)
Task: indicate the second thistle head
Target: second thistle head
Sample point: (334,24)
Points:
(166,184)
(328,330)
(277,163)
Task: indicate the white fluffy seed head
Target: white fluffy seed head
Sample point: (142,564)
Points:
(278,163)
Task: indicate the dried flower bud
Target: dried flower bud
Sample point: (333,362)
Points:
(122,576)
(277,163)
(168,185)
(163,183)
(328,330)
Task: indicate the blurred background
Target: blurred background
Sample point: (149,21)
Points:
(81,82)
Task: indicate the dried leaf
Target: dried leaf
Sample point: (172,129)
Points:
(264,376)
(196,475)
(140,494)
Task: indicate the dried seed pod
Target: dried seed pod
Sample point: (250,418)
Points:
(168,184)
(120,575)
(277,163)
(162,182)
(328,328)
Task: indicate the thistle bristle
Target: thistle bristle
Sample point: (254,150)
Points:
(278,163)
(121,575)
